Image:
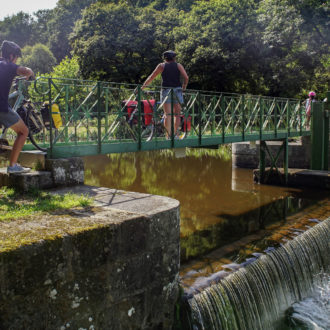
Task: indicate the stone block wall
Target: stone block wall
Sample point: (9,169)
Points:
(59,172)
(120,272)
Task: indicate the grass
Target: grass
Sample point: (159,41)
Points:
(15,205)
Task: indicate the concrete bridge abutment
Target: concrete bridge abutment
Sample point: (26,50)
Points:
(113,266)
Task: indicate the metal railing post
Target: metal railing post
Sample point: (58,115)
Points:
(261,118)
(66,116)
(286,160)
(223,124)
(262,161)
(288,118)
(139,117)
(99,139)
(275,117)
(199,119)
(50,117)
(243,117)
(172,117)
(317,136)
(326,124)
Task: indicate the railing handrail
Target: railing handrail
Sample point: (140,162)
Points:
(70,81)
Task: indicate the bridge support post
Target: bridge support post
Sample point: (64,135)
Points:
(286,160)
(262,161)
(273,161)
(320,135)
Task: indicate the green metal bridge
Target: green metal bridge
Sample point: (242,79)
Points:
(98,118)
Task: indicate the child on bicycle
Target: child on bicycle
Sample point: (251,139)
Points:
(8,118)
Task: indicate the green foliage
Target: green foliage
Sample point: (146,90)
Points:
(218,41)
(272,47)
(295,43)
(118,45)
(38,57)
(60,25)
(19,28)
(67,68)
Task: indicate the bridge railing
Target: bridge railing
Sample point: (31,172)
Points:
(99,113)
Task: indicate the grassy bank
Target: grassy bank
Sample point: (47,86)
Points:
(14,204)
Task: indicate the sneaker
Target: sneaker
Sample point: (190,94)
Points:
(17,169)
(180,136)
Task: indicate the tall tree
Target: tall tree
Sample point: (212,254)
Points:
(218,42)
(19,28)
(296,44)
(119,42)
(61,24)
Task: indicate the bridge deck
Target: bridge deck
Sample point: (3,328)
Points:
(83,149)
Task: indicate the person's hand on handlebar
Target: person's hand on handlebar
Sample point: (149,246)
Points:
(25,72)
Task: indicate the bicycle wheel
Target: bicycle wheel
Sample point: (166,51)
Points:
(38,133)
(129,130)
(147,132)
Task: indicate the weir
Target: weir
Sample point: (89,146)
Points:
(256,297)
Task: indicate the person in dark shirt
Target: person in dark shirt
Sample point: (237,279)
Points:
(171,72)
(10,52)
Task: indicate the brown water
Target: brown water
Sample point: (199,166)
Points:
(226,219)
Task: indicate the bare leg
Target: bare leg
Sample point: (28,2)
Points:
(177,119)
(167,122)
(22,133)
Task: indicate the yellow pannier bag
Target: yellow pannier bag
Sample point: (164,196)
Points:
(56,115)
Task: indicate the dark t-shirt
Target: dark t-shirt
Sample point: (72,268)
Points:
(8,71)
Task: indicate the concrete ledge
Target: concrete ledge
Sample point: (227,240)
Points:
(112,266)
(26,181)
(246,154)
(296,178)
(31,158)
(66,171)
(59,172)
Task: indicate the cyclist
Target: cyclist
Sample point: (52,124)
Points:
(171,72)
(308,106)
(8,70)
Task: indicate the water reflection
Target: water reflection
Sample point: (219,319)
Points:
(219,204)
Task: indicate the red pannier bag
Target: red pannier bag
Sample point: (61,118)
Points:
(146,109)
(186,123)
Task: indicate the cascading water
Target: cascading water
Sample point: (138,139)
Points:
(257,296)
(312,312)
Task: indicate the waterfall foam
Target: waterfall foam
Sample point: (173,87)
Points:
(257,296)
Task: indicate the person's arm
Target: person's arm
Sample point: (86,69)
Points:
(25,72)
(159,69)
(184,75)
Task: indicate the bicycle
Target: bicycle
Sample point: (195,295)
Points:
(30,116)
(152,119)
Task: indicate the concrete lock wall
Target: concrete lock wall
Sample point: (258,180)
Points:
(113,266)
(246,154)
